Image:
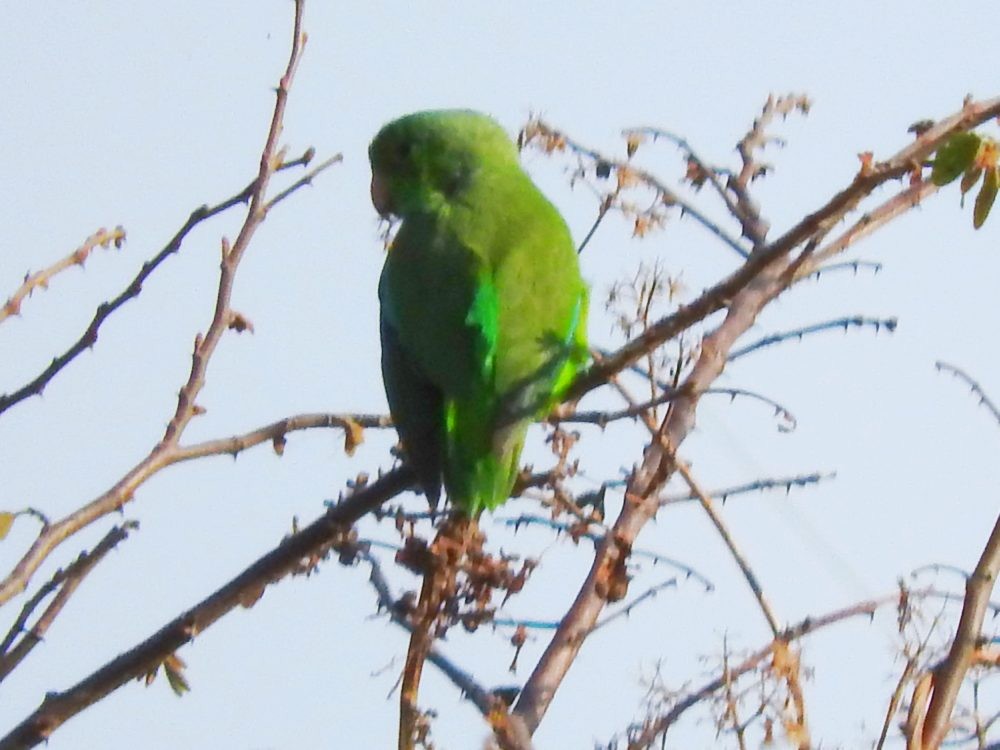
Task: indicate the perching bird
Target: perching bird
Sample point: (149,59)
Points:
(483,310)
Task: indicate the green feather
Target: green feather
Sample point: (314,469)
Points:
(483,308)
(484,316)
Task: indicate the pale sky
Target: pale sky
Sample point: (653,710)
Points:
(136,113)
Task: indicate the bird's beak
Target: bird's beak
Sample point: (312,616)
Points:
(380,195)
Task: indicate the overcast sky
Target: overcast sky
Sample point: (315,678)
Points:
(136,113)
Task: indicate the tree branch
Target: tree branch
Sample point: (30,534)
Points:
(40,279)
(741,561)
(947,678)
(548,135)
(856,321)
(245,589)
(167,450)
(351,424)
(66,581)
(973,386)
(659,726)
(758,485)
(745,292)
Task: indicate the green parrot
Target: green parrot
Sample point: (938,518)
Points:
(483,310)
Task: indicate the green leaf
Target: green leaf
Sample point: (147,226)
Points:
(987,194)
(6,521)
(955,157)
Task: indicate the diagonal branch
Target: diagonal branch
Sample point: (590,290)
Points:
(856,321)
(759,485)
(704,170)
(55,533)
(741,561)
(872,220)
(666,195)
(658,727)
(973,386)
(66,582)
(40,279)
(244,590)
(89,337)
(817,223)
(947,679)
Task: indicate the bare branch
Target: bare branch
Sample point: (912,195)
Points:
(814,224)
(973,386)
(482,698)
(705,171)
(669,393)
(308,545)
(304,180)
(723,530)
(53,534)
(89,337)
(857,321)
(579,530)
(756,139)
(848,265)
(256,212)
(899,204)
(658,727)
(40,279)
(765,274)
(66,581)
(627,610)
(105,309)
(167,451)
(351,424)
(758,485)
(546,134)
(948,677)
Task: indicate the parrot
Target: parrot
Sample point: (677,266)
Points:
(483,311)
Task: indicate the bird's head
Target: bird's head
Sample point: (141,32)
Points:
(428,159)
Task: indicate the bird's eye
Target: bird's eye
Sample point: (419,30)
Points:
(403,149)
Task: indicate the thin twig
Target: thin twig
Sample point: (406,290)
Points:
(66,581)
(848,265)
(40,279)
(351,424)
(669,392)
(857,321)
(973,386)
(601,213)
(303,181)
(627,610)
(756,139)
(668,196)
(89,337)
(932,727)
(710,172)
(896,701)
(899,204)
(482,698)
(758,485)
(720,526)
(576,531)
